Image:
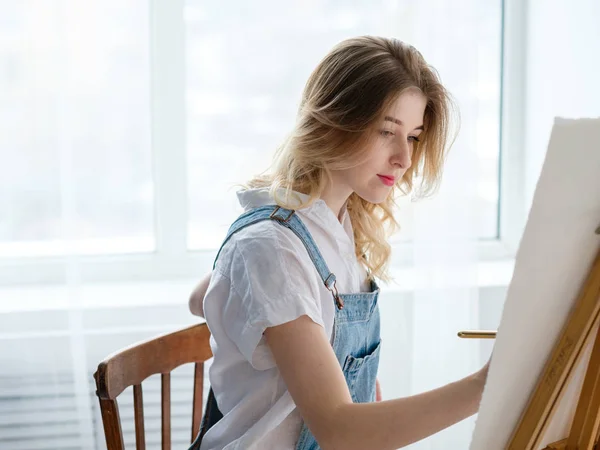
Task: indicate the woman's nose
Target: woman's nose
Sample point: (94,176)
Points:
(402,156)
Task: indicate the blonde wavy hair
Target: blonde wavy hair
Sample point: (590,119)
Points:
(344,97)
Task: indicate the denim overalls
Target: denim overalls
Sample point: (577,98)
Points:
(356,338)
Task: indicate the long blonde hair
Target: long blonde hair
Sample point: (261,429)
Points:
(344,96)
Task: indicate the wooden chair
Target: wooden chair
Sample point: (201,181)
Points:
(132,365)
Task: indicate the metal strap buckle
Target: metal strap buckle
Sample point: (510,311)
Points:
(273,216)
(333,289)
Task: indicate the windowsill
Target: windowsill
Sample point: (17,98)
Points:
(484,274)
(26,298)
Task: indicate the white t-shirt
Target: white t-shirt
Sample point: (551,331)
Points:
(263,278)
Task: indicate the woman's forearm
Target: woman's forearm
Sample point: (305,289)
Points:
(396,423)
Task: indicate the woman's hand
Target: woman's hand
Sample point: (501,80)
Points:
(482,374)
(197,297)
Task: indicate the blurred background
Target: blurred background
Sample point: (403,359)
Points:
(125,125)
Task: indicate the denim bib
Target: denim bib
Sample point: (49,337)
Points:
(356,330)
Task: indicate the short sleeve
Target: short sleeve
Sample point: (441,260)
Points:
(273,281)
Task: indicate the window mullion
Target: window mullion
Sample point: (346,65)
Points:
(168,125)
(512,154)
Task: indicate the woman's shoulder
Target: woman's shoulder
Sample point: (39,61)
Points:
(266,232)
(264,239)
(258,257)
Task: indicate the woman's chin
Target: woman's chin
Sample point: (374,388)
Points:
(375,196)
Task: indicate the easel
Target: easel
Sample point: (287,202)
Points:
(585,428)
(555,377)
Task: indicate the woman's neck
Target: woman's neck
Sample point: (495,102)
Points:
(336,196)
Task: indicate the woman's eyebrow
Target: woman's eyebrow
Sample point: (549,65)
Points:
(399,122)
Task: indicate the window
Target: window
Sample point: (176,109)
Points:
(75,126)
(127,125)
(246,72)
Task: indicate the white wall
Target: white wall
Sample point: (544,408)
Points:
(562,72)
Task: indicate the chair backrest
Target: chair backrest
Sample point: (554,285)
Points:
(132,365)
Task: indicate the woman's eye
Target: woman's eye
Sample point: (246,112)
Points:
(413,138)
(386,133)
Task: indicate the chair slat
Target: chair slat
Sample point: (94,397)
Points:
(198,401)
(132,365)
(165,380)
(112,424)
(138,408)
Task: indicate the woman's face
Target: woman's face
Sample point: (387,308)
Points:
(390,152)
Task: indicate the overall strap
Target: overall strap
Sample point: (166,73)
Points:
(288,219)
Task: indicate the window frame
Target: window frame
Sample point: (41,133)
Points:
(172,259)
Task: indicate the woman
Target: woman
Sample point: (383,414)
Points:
(292,301)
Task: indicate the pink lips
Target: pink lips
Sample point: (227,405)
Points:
(388,181)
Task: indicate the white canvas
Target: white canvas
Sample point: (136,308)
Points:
(557,248)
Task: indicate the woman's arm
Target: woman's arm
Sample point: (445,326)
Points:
(196,308)
(313,376)
(197,297)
